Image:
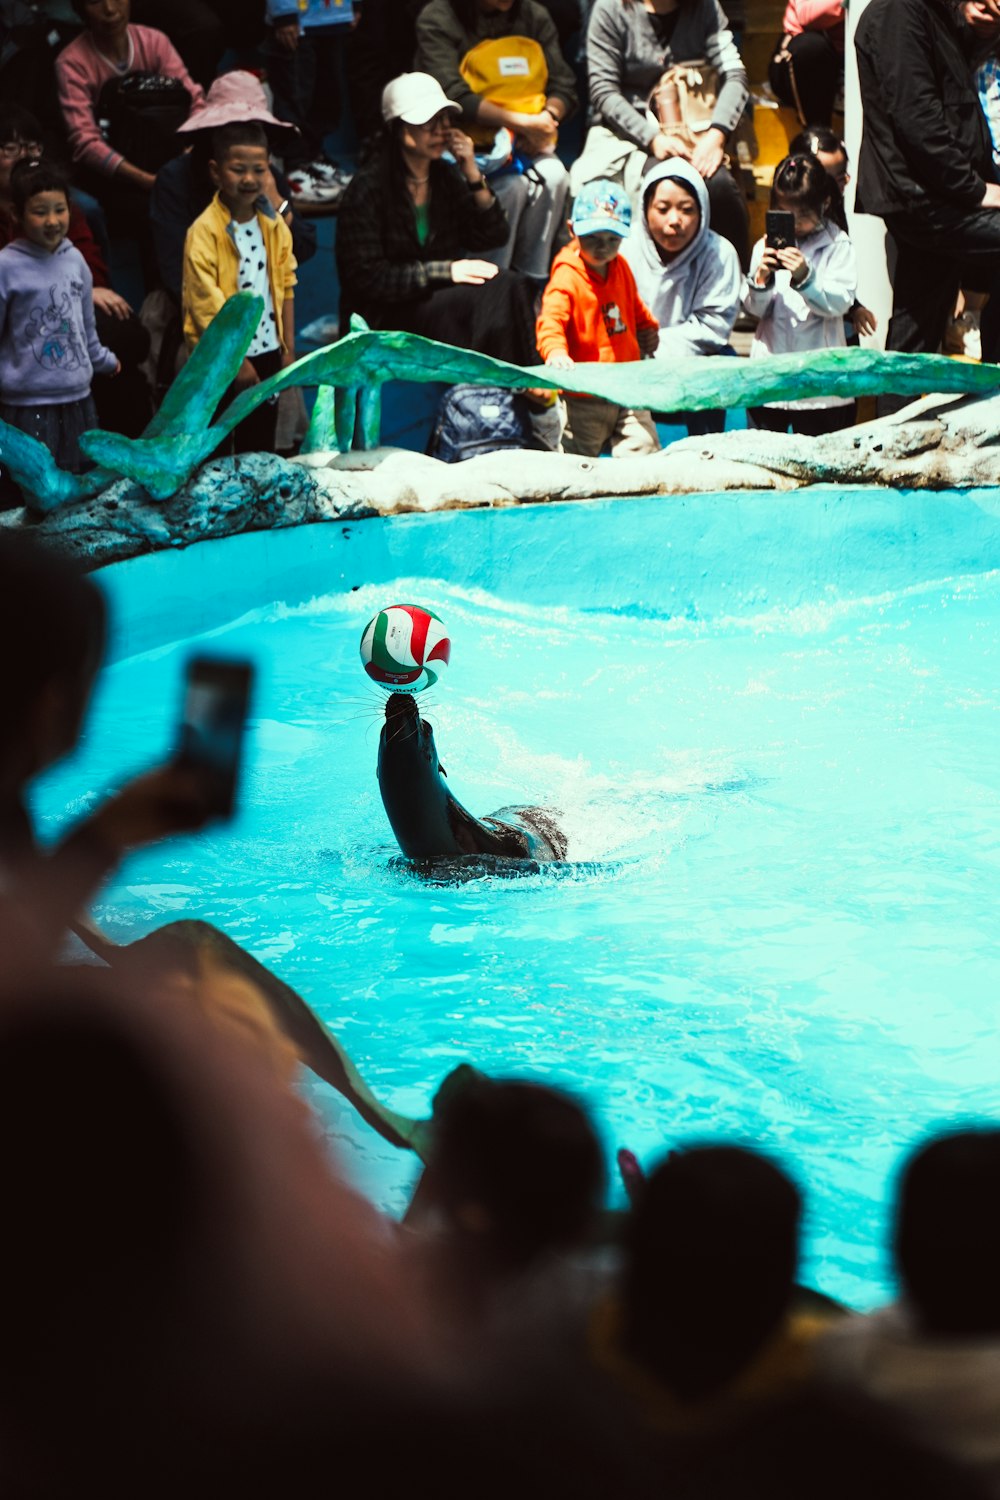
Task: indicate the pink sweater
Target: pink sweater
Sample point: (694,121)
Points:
(82,71)
(816,15)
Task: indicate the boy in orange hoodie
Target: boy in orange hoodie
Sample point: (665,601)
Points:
(591,310)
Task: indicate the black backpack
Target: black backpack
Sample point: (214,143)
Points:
(475,419)
(139,115)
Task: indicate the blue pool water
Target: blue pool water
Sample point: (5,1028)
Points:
(771,725)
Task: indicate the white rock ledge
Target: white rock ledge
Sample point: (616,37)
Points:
(938,443)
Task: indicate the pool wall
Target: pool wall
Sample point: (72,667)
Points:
(692,555)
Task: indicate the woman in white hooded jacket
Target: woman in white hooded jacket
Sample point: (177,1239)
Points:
(688,276)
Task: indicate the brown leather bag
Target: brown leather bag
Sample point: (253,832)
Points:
(683,103)
(684,99)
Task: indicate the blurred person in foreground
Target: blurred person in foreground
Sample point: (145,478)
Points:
(57,615)
(187,1283)
(933,1356)
(703,1323)
(507,1203)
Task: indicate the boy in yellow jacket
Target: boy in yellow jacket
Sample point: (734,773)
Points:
(241,244)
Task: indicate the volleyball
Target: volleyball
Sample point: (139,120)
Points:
(405,648)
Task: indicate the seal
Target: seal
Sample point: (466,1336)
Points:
(429,823)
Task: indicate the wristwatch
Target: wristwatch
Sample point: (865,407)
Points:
(480,182)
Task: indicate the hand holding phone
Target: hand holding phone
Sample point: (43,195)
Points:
(216,699)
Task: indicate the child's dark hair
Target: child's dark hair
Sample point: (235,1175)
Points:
(241,133)
(525,1154)
(711,1248)
(816,138)
(57,613)
(947,1234)
(650,189)
(31,177)
(802,181)
(810,142)
(17,124)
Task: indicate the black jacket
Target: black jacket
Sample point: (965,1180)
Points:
(925,143)
(380,260)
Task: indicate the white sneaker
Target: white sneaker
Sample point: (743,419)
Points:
(307,189)
(329,171)
(962,336)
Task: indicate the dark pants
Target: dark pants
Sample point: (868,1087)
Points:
(812,422)
(306,88)
(123,401)
(698,423)
(931,256)
(809,83)
(727,206)
(256,433)
(380,48)
(497,318)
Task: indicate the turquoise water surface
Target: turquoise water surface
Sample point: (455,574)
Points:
(782,796)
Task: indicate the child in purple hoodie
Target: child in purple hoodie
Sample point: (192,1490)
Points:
(49,348)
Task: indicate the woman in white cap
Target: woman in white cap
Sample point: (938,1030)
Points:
(411,226)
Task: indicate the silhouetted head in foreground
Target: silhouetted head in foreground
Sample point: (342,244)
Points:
(711,1252)
(52,618)
(947,1238)
(518,1169)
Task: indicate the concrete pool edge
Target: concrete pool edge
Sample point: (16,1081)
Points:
(939,444)
(732,554)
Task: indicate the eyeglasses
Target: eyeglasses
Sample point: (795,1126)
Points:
(11,150)
(442,121)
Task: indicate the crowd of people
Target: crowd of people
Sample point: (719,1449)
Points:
(466,220)
(196,1299)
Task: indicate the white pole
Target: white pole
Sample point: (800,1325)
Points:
(867,233)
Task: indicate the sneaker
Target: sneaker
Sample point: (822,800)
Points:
(328,171)
(309,191)
(962,336)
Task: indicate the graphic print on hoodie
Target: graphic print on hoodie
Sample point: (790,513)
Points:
(51,334)
(49,349)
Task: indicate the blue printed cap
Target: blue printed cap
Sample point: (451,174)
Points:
(602,207)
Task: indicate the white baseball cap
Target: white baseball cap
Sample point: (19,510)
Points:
(414,98)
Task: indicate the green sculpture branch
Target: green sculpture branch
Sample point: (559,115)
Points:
(349,376)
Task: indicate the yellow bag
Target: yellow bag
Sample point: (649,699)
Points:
(510,71)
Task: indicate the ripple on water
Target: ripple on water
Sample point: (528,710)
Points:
(777,921)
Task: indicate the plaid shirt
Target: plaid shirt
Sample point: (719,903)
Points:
(379,258)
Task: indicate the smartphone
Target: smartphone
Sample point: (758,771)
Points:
(779,231)
(213,719)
